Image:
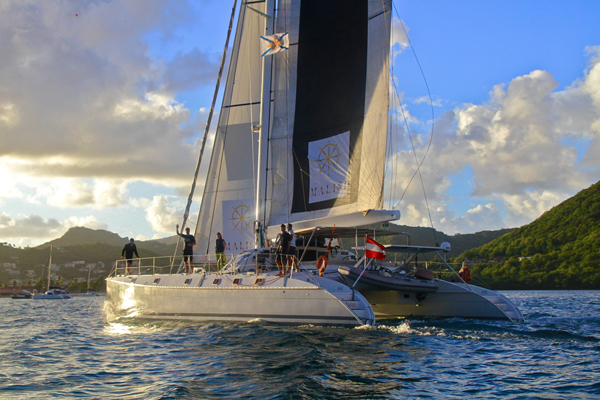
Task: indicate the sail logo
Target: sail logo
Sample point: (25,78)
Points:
(240,218)
(328,162)
(237,221)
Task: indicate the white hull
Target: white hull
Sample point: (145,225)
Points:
(305,299)
(451,300)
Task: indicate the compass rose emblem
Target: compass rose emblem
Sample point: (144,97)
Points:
(328,158)
(240,218)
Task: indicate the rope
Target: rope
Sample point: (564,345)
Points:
(419,164)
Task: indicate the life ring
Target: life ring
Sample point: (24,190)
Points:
(322,264)
(465,274)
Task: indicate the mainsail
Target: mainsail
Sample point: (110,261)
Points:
(328,137)
(325,120)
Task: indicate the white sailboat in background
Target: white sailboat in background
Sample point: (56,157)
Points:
(301,138)
(55,293)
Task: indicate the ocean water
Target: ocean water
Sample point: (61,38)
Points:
(71,349)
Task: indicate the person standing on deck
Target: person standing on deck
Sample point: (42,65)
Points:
(292,260)
(188,249)
(220,251)
(127,253)
(283,244)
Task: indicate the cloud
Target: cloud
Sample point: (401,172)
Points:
(162,217)
(399,41)
(73,104)
(515,146)
(33,230)
(67,192)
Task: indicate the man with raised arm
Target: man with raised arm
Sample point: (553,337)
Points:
(188,249)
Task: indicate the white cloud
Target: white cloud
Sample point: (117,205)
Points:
(75,105)
(33,230)
(515,147)
(399,41)
(162,217)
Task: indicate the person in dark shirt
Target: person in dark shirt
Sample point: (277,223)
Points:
(292,259)
(283,244)
(188,249)
(220,251)
(127,253)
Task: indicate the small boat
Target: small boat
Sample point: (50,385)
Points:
(25,294)
(381,278)
(52,294)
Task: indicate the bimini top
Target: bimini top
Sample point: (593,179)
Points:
(404,248)
(343,232)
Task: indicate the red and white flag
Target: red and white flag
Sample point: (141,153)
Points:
(374,249)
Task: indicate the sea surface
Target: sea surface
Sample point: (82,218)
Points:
(72,349)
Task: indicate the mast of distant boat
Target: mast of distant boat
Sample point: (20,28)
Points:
(49,269)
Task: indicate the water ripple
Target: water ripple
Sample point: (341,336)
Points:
(77,349)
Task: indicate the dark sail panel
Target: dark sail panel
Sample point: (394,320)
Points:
(330,103)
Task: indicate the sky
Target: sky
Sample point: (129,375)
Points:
(103,105)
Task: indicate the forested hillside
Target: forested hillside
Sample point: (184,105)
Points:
(559,250)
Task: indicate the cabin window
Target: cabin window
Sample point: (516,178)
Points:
(156,280)
(259,281)
(237,281)
(216,281)
(188,281)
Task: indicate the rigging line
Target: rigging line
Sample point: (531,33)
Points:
(219,164)
(390,148)
(207,127)
(432,122)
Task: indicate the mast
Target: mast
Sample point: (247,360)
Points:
(49,267)
(263,131)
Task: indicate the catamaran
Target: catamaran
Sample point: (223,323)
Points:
(301,138)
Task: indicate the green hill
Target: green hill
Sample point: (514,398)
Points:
(559,250)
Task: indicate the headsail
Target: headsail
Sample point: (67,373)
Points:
(228,203)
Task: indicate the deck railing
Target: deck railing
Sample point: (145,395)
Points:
(163,265)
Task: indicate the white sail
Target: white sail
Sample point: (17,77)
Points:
(228,203)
